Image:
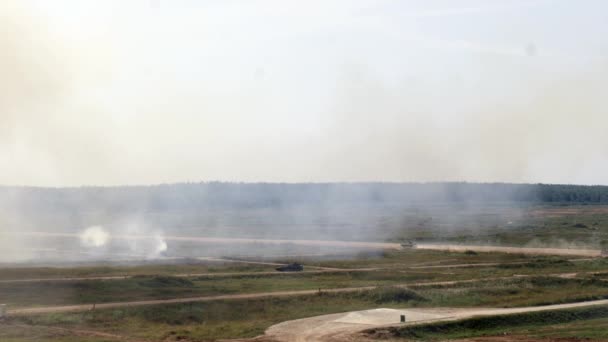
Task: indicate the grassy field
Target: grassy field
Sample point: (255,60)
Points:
(184,267)
(511,280)
(248,318)
(220,319)
(393,269)
(532,226)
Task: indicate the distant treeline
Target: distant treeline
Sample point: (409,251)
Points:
(264,195)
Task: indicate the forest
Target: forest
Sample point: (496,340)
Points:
(271,195)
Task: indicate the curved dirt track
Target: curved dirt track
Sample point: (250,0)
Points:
(345,326)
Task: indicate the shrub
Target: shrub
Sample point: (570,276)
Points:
(390,294)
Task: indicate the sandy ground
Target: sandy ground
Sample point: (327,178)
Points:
(344,326)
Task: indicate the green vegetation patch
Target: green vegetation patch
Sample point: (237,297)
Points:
(221,319)
(389,294)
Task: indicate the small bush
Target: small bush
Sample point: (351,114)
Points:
(390,294)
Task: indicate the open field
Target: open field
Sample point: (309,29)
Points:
(189,295)
(241,300)
(393,268)
(303,171)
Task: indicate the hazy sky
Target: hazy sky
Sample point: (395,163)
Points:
(138,92)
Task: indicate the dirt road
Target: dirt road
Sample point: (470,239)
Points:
(342,326)
(87,307)
(513,250)
(345,244)
(233,241)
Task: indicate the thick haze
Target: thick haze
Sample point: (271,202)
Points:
(113,92)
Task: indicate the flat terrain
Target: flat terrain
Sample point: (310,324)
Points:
(211,298)
(498,273)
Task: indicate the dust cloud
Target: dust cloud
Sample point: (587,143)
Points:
(145,96)
(94,237)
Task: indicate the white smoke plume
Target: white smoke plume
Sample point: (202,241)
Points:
(94,236)
(144,242)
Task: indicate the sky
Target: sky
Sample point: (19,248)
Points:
(158,91)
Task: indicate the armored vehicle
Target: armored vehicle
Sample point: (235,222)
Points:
(408,244)
(293,267)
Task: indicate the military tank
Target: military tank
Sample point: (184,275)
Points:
(408,244)
(293,267)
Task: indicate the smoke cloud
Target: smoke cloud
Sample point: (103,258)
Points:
(350,91)
(143,241)
(94,237)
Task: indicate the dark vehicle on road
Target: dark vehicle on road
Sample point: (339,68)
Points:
(293,267)
(408,244)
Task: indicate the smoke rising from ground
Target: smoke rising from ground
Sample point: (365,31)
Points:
(350,91)
(94,237)
(151,246)
(151,222)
